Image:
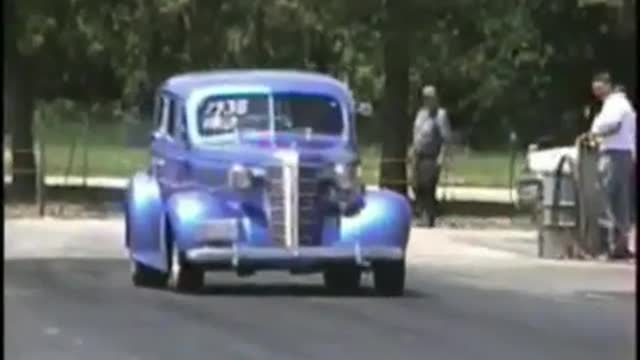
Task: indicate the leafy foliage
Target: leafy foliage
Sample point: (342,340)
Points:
(500,65)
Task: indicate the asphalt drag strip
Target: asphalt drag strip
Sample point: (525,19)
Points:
(68,296)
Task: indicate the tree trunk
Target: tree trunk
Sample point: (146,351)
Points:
(23,164)
(320,54)
(260,56)
(396,95)
(19,103)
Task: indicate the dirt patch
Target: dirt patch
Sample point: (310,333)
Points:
(485,222)
(63,210)
(68,209)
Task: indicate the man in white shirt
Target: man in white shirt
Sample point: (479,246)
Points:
(615,130)
(431,133)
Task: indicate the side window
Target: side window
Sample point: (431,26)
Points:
(171,117)
(162,114)
(158,108)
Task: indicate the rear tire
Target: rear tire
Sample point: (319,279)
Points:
(145,276)
(389,277)
(344,279)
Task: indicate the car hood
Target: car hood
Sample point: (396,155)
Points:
(293,141)
(261,148)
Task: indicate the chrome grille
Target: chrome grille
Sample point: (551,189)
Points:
(302,227)
(276,205)
(309,213)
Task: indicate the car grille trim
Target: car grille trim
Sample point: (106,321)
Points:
(292,198)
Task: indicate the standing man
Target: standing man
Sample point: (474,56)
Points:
(615,128)
(431,133)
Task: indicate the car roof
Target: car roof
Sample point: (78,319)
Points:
(278,80)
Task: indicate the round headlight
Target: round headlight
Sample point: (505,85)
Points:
(240,177)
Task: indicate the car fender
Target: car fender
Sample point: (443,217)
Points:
(385,220)
(188,209)
(144,221)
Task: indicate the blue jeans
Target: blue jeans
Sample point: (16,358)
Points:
(427,173)
(615,170)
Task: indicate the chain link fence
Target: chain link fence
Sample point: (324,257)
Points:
(76,152)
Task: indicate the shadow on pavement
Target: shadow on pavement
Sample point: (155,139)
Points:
(291,290)
(114,274)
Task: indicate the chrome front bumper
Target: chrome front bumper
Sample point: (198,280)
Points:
(236,255)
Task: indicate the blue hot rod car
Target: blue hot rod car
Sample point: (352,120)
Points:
(256,170)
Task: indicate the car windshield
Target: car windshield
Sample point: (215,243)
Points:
(293,113)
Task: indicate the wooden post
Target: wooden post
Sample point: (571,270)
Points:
(41,165)
(41,183)
(72,154)
(85,154)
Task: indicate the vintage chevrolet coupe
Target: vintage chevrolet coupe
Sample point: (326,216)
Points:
(259,170)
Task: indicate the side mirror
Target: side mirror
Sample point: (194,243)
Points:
(364,109)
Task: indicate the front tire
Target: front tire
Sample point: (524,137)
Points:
(145,276)
(389,277)
(185,277)
(342,279)
(189,280)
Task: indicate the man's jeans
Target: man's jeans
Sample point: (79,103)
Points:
(615,169)
(427,174)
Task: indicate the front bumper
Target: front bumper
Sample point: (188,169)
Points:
(236,256)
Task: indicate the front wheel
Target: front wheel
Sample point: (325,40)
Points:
(389,277)
(185,277)
(145,276)
(189,280)
(342,279)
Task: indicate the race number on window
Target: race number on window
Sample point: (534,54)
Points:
(222,115)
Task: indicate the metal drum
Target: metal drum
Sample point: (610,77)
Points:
(558,212)
(592,232)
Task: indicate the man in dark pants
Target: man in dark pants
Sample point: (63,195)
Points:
(431,133)
(615,128)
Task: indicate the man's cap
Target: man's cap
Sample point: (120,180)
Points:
(429,91)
